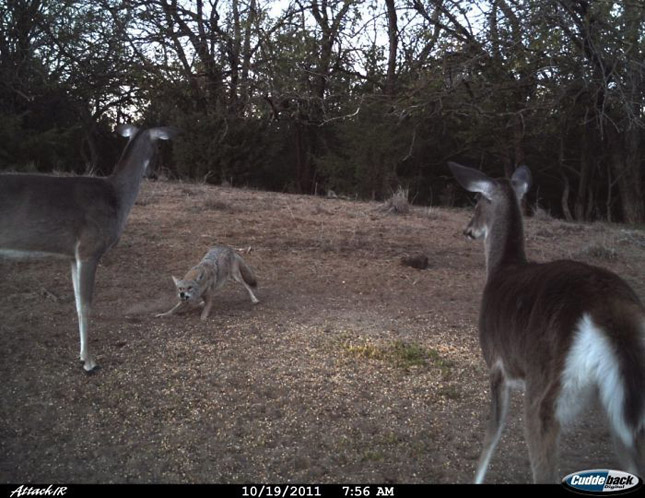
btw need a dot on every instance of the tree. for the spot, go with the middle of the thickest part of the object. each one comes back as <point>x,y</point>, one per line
<point>354,95</point>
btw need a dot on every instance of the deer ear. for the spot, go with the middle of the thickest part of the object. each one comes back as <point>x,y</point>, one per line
<point>521,181</point>
<point>164,132</point>
<point>473,180</point>
<point>127,130</point>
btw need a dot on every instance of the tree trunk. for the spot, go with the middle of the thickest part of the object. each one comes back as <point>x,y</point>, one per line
<point>626,162</point>
<point>393,35</point>
<point>580,207</point>
<point>565,199</point>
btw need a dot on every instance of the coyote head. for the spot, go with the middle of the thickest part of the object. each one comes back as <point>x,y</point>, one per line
<point>187,290</point>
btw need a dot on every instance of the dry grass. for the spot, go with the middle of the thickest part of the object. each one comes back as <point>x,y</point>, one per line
<point>598,250</point>
<point>433,213</point>
<point>353,367</point>
<point>541,214</point>
<point>633,237</point>
<point>213,204</point>
<point>398,203</point>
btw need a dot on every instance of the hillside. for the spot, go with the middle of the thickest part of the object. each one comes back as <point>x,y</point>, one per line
<point>353,367</point>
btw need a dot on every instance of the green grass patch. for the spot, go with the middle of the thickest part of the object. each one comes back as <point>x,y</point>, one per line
<point>373,456</point>
<point>409,354</point>
<point>370,351</point>
<point>401,354</point>
<point>443,364</point>
<point>450,392</point>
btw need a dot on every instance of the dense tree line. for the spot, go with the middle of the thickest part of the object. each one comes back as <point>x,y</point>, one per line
<point>355,96</point>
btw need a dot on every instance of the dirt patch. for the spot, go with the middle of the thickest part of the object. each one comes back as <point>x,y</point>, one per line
<point>353,367</point>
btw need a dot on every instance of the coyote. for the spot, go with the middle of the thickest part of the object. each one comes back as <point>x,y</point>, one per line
<point>220,264</point>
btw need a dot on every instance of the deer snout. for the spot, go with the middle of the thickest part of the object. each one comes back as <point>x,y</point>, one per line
<point>468,232</point>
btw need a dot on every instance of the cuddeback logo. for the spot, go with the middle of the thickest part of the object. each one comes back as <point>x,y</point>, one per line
<point>601,481</point>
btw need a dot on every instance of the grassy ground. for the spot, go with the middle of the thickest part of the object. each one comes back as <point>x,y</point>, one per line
<point>353,367</point>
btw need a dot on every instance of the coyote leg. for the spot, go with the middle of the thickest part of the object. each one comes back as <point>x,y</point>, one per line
<point>208,300</point>
<point>237,276</point>
<point>180,307</point>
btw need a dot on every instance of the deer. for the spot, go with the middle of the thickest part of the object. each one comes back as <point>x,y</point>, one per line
<point>567,332</point>
<point>78,218</point>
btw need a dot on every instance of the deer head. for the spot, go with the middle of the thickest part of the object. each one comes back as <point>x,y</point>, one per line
<point>497,218</point>
<point>491,195</point>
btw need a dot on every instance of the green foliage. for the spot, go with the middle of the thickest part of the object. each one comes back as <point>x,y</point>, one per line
<point>363,156</point>
<point>28,149</point>
<point>62,71</point>
<point>215,149</point>
<point>313,99</point>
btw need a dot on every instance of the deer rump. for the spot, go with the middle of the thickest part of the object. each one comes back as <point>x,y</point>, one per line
<point>567,327</point>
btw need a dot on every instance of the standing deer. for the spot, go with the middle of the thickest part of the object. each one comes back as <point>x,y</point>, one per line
<point>568,332</point>
<point>77,218</point>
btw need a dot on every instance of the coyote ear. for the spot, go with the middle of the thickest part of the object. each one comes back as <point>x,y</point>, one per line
<point>473,180</point>
<point>175,280</point>
<point>521,181</point>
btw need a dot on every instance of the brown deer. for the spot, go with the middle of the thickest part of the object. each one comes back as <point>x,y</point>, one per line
<point>568,332</point>
<point>76,218</point>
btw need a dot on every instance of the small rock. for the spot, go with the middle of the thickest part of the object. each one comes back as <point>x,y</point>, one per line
<point>419,261</point>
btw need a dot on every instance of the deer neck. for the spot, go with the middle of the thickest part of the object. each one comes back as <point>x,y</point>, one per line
<point>504,243</point>
<point>128,174</point>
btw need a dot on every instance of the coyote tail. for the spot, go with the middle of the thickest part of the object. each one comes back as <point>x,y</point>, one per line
<point>247,273</point>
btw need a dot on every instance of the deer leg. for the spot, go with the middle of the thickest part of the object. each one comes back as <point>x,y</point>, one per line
<point>542,433</point>
<point>76,286</point>
<point>630,455</point>
<point>83,273</point>
<point>639,445</point>
<point>498,409</point>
